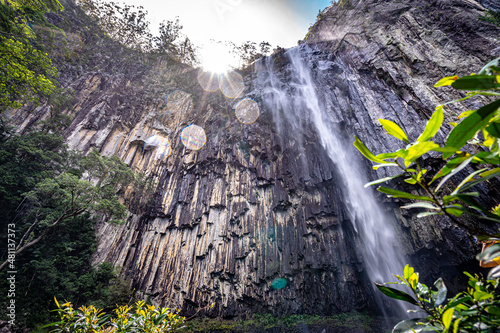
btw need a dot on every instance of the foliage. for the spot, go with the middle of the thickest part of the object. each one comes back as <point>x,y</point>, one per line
<point>142,318</point>
<point>475,310</point>
<point>249,52</point>
<point>172,42</point>
<point>479,128</point>
<point>26,72</point>
<point>491,16</point>
<point>475,140</point>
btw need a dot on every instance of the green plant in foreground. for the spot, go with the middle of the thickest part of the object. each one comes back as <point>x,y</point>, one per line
<point>479,129</point>
<point>475,140</point>
<point>475,310</point>
<point>141,318</point>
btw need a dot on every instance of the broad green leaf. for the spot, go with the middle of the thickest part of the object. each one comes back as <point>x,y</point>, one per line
<point>411,181</point>
<point>494,129</point>
<point>383,165</point>
<point>421,148</point>
<point>399,194</point>
<point>440,296</point>
<point>400,153</point>
<point>453,172</point>
<point>382,180</point>
<point>393,129</point>
<point>466,114</point>
<point>445,150</point>
<point>408,271</point>
<point>410,326</point>
<point>450,166</point>
<point>396,294</point>
<point>456,325</point>
<point>433,125</point>
<point>455,210</point>
<point>425,214</point>
<point>426,205</point>
<point>494,310</point>
<point>413,280</point>
<point>458,302</point>
<point>446,81</point>
<point>482,179</point>
<point>470,125</point>
<point>481,295</point>
<point>447,317</point>
<point>476,82</point>
<point>466,180</point>
<point>366,152</point>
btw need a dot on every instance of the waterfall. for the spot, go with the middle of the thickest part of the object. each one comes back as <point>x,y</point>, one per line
<point>296,102</point>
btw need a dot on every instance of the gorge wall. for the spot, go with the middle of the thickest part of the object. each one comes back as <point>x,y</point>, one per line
<point>256,220</point>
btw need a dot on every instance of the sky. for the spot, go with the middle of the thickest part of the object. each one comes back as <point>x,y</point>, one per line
<point>279,22</point>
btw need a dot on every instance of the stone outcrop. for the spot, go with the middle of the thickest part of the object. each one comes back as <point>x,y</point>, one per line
<point>255,220</point>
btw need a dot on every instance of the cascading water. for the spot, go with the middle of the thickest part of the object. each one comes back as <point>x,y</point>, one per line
<point>295,102</point>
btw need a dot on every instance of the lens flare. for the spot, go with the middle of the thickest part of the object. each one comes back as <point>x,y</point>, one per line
<point>151,143</point>
<point>217,57</point>
<point>247,111</point>
<point>193,137</point>
<point>278,284</point>
<point>231,84</point>
<point>208,81</point>
<point>164,149</point>
<point>179,102</point>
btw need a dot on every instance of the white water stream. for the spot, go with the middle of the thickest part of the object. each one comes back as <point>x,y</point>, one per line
<point>295,100</point>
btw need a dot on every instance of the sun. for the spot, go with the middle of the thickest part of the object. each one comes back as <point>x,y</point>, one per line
<point>217,58</point>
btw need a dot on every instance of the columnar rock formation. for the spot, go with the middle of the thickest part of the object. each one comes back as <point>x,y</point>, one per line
<point>255,220</point>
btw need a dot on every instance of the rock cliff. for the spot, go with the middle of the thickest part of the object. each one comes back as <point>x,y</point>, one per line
<point>256,220</point>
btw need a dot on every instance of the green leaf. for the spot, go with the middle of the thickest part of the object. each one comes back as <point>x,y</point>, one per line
<point>426,205</point>
<point>466,180</point>
<point>451,165</point>
<point>466,114</point>
<point>453,172</point>
<point>433,125</point>
<point>458,302</point>
<point>482,179</point>
<point>400,153</point>
<point>446,81</point>
<point>366,152</point>
<point>425,214</point>
<point>494,310</point>
<point>440,297</point>
<point>456,324</point>
<point>408,271</point>
<point>421,148</point>
<point>382,180</point>
<point>476,82</point>
<point>399,194</point>
<point>383,165</point>
<point>447,317</point>
<point>481,295</point>
<point>494,129</point>
<point>411,181</point>
<point>409,326</point>
<point>470,125</point>
<point>393,129</point>
<point>396,294</point>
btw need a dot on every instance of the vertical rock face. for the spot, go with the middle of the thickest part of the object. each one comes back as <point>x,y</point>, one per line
<point>256,220</point>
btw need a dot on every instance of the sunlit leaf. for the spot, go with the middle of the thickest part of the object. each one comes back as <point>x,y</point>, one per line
<point>466,114</point>
<point>481,295</point>
<point>396,294</point>
<point>466,180</point>
<point>470,125</point>
<point>393,129</point>
<point>421,148</point>
<point>482,179</point>
<point>411,181</point>
<point>446,81</point>
<point>408,271</point>
<point>433,125</point>
<point>447,317</point>
<point>383,165</point>
<point>425,214</point>
<point>453,172</point>
<point>426,205</point>
<point>399,194</point>
<point>382,180</point>
<point>366,152</point>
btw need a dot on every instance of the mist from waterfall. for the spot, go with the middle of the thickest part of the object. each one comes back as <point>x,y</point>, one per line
<point>294,99</point>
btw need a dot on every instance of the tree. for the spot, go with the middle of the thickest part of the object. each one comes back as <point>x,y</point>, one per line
<point>58,199</point>
<point>26,73</point>
<point>475,141</point>
<point>174,43</point>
